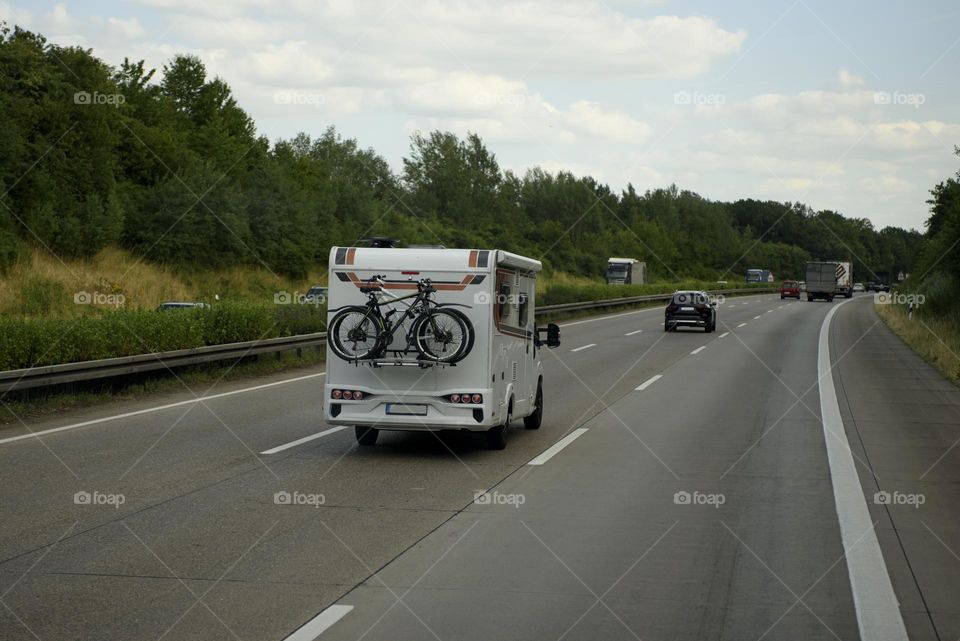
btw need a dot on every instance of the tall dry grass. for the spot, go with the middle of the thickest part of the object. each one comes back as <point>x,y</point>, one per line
<point>40,284</point>
<point>935,339</point>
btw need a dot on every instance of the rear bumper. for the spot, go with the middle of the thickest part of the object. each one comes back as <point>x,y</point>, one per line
<point>440,413</point>
<point>691,321</point>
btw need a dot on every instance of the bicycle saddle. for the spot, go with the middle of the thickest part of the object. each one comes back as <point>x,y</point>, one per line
<point>368,290</point>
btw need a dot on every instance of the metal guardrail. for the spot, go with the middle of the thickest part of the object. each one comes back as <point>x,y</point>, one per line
<point>22,379</point>
<point>631,300</point>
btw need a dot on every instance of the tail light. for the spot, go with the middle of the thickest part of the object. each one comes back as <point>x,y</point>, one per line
<point>466,397</point>
<point>347,395</point>
<point>672,307</point>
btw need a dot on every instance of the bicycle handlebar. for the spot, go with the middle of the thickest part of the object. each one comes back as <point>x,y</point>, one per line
<point>424,284</point>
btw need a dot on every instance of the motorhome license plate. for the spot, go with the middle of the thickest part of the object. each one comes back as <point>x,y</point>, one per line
<point>407,409</point>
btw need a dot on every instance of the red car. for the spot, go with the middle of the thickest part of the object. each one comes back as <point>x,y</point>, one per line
<point>790,288</point>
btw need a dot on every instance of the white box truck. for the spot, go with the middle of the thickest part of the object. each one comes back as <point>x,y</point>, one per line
<point>433,339</point>
<point>626,271</point>
<point>821,280</point>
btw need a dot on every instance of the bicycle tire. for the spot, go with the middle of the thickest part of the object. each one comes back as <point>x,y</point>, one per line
<point>337,339</point>
<point>422,332</point>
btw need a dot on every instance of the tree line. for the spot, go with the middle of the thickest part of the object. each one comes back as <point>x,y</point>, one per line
<point>173,169</point>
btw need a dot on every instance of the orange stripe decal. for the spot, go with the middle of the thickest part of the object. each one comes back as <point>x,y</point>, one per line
<point>350,255</point>
<point>473,257</point>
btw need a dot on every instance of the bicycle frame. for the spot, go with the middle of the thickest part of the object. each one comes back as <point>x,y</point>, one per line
<point>422,297</point>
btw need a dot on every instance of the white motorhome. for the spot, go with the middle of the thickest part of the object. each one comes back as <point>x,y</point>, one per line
<point>396,388</point>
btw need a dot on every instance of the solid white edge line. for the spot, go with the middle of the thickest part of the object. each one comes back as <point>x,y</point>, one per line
<point>318,624</point>
<point>582,347</point>
<point>300,441</point>
<point>876,604</point>
<point>647,383</point>
<point>699,349</point>
<point>554,449</point>
<point>723,334</point>
<point>636,331</point>
<point>158,408</point>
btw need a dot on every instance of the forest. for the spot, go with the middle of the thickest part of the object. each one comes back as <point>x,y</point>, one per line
<point>167,165</point>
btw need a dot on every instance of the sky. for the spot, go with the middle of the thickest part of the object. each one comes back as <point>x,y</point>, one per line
<point>848,106</point>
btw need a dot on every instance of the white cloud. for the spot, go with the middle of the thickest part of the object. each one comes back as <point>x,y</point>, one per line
<point>848,79</point>
<point>885,185</point>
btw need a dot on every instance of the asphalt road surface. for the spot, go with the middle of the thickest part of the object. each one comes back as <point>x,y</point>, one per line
<point>791,476</point>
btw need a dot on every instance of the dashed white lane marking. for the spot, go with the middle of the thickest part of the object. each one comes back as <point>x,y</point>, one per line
<point>318,624</point>
<point>158,408</point>
<point>699,349</point>
<point>582,347</point>
<point>723,334</point>
<point>636,331</point>
<point>305,439</point>
<point>755,317</point>
<point>769,311</point>
<point>650,381</point>
<point>878,611</point>
<point>741,324</point>
<point>554,449</point>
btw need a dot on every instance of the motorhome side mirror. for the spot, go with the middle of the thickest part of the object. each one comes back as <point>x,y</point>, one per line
<point>553,335</point>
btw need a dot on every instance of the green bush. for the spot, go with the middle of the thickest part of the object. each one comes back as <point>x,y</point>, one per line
<point>40,296</point>
<point>301,319</point>
<point>10,250</point>
<point>235,322</point>
<point>33,342</point>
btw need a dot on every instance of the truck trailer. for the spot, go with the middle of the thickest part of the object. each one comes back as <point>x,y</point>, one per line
<point>844,279</point>
<point>759,276</point>
<point>392,382</point>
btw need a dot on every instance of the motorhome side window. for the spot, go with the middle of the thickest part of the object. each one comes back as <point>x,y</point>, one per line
<point>524,302</point>
<point>504,299</point>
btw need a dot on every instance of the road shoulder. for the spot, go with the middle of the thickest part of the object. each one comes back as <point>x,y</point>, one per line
<point>902,420</point>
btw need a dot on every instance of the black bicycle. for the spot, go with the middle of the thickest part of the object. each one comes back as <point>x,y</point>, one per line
<point>437,332</point>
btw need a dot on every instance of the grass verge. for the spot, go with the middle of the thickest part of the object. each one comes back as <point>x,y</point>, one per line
<point>935,338</point>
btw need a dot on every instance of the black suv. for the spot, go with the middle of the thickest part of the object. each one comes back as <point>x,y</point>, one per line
<point>691,308</point>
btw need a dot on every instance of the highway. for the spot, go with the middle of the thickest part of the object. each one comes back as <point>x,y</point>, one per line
<point>791,476</point>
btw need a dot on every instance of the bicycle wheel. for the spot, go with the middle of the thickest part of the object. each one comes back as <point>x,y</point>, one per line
<point>443,335</point>
<point>354,333</point>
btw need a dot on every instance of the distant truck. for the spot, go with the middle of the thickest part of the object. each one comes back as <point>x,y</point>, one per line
<point>844,279</point>
<point>759,276</point>
<point>626,271</point>
<point>822,280</point>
